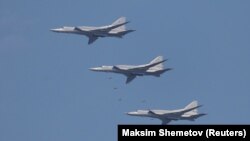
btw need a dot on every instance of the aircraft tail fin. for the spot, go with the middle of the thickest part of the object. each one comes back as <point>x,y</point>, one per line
<point>121,20</point>
<point>118,22</point>
<point>157,59</point>
<point>193,104</point>
<point>158,66</point>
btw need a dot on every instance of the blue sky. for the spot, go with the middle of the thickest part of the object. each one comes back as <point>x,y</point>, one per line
<point>48,93</point>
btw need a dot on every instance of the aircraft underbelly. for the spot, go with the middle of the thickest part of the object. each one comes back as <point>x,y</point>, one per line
<point>100,34</point>
<point>80,32</point>
<point>129,72</point>
<point>173,118</point>
<point>72,31</point>
<point>139,73</point>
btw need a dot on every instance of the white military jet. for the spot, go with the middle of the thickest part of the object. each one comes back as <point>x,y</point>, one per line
<point>154,68</point>
<point>116,29</point>
<point>190,113</point>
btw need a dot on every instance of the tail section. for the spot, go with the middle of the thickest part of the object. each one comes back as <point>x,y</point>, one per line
<point>198,115</point>
<point>191,111</point>
<point>157,60</point>
<point>119,24</point>
<point>191,106</point>
<point>121,20</point>
<point>118,28</point>
<point>160,71</point>
<point>120,33</point>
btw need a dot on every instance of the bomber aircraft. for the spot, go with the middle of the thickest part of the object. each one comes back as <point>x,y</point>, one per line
<point>116,29</point>
<point>154,68</point>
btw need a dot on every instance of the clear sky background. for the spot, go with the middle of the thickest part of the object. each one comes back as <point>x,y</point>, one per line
<point>47,92</point>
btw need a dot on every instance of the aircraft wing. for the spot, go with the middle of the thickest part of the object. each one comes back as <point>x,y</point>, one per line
<point>147,66</point>
<point>165,121</point>
<point>78,28</point>
<point>92,39</point>
<point>130,78</point>
<point>180,112</point>
<point>122,67</point>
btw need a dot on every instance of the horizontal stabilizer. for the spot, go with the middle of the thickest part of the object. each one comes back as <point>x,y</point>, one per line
<point>161,71</point>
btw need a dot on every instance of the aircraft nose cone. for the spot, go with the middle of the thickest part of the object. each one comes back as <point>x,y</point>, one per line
<point>94,69</point>
<point>131,113</point>
<point>55,29</point>
<point>128,113</point>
